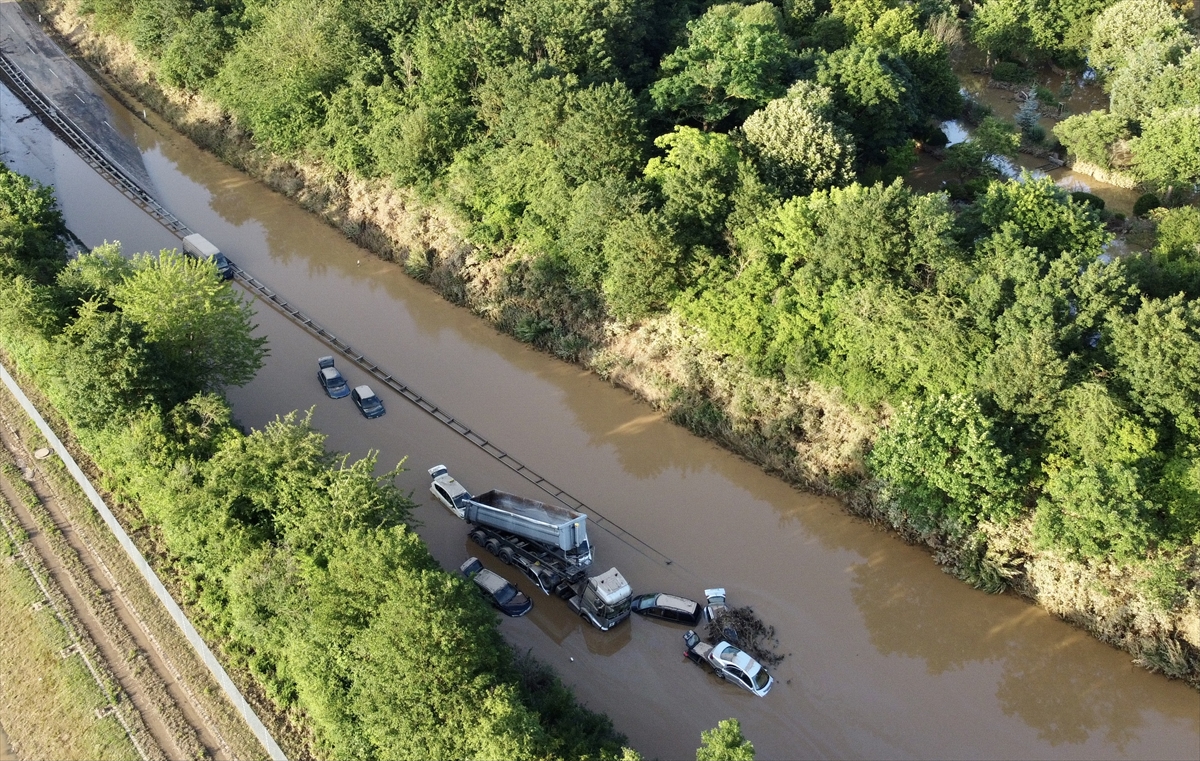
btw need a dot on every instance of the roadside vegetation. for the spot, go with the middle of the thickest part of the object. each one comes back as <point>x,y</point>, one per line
<point>703,201</point>
<point>297,562</point>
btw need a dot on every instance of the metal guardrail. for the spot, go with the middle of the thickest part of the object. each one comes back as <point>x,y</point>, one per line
<point>111,171</point>
<point>87,149</point>
<point>387,379</point>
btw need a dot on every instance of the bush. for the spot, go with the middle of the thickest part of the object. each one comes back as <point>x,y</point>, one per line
<point>1095,201</point>
<point>1007,71</point>
<point>1145,204</point>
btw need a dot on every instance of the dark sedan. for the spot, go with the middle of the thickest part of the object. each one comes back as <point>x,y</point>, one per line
<point>368,403</point>
<point>331,379</point>
<point>678,610</point>
<point>499,592</point>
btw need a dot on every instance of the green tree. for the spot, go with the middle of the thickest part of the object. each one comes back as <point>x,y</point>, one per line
<point>1122,28</point>
<point>725,742</point>
<point>1156,75</point>
<point>596,39</point>
<point>1157,353</point>
<point>105,368</point>
<point>697,176</point>
<point>873,90</point>
<point>980,154</point>
<point>941,462</point>
<point>735,60</point>
<point>1094,503</point>
<point>278,78</point>
<point>200,327</point>
<point>642,274</point>
<point>1167,153</point>
<point>31,229</point>
<point>1001,27</point>
<point>1173,265</point>
<point>799,147</point>
<point>1091,136</point>
<point>196,52</point>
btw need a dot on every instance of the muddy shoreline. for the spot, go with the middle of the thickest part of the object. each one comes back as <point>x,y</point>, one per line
<point>806,435</point>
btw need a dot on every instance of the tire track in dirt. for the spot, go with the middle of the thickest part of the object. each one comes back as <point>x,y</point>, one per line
<point>175,722</point>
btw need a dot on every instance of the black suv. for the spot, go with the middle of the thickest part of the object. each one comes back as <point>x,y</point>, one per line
<point>500,593</point>
<point>368,403</point>
<point>331,380</point>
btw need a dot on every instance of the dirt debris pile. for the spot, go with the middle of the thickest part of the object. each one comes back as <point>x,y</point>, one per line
<point>743,627</point>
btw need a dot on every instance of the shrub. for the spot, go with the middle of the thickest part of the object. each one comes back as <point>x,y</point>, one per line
<point>1095,201</point>
<point>1007,71</point>
<point>1145,204</point>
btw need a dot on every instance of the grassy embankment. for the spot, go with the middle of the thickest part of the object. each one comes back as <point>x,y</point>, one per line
<point>190,672</point>
<point>50,705</point>
<point>804,432</point>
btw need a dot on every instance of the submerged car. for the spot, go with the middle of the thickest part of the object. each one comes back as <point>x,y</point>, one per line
<point>331,379</point>
<point>729,663</point>
<point>500,592</point>
<point>367,401</point>
<point>672,608</point>
<point>716,603</point>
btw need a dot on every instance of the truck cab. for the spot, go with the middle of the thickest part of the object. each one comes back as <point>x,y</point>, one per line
<point>604,600</point>
<point>448,491</point>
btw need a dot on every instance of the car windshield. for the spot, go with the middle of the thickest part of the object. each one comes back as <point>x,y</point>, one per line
<point>371,401</point>
<point>761,679</point>
<point>729,652</point>
<point>506,594</point>
<point>643,603</point>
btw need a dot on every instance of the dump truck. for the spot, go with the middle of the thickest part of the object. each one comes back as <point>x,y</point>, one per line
<point>547,543</point>
<point>201,248</point>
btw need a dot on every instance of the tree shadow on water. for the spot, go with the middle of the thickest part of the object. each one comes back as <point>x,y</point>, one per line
<point>1055,678</point>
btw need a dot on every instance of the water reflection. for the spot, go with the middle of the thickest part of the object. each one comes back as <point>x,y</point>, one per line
<point>1067,698</point>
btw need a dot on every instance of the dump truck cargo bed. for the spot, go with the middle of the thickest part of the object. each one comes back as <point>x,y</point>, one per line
<point>552,525</point>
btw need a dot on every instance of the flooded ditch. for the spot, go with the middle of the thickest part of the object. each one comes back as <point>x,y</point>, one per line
<point>885,655</point>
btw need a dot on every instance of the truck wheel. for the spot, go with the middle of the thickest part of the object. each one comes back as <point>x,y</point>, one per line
<point>478,537</point>
<point>493,546</point>
<point>506,555</point>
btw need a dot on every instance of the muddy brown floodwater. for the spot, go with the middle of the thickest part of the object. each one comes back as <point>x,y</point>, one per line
<point>886,656</point>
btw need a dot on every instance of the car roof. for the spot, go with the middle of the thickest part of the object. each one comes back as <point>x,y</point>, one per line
<point>330,373</point>
<point>676,603</point>
<point>364,391</point>
<point>453,488</point>
<point>737,658</point>
<point>492,582</point>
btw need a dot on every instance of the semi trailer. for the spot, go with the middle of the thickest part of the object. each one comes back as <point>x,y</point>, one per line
<point>547,543</point>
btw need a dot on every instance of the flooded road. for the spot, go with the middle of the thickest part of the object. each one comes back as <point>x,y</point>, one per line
<point>887,657</point>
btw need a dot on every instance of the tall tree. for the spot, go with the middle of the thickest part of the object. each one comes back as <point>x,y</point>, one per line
<point>199,325</point>
<point>725,742</point>
<point>736,59</point>
<point>799,147</point>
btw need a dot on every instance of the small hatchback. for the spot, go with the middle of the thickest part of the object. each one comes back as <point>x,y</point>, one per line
<point>499,592</point>
<point>331,379</point>
<point>368,403</point>
<point>679,610</point>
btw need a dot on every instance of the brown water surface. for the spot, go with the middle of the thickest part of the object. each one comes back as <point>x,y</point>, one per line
<point>887,657</point>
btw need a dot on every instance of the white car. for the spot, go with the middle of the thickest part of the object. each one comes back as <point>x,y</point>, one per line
<point>729,663</point>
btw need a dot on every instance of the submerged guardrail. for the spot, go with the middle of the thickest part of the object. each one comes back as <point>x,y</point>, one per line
<point>111,171</point>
